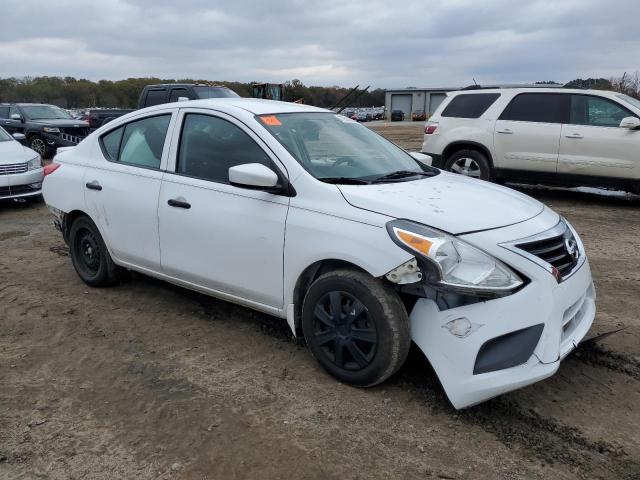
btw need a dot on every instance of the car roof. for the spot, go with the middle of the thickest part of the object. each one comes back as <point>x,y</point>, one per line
<point>251,105</point>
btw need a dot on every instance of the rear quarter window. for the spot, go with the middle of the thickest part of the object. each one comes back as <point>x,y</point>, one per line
<point>469,105</point>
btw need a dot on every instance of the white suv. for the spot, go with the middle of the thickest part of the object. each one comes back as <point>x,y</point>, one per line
<point>556,136</point>
<point>307,215</point>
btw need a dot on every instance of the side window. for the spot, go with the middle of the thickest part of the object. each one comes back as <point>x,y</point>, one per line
<point>471,105</point>
<point>138,143</point>
<point>14,110</point>
<point>177,93</point>
<point>4,112</point>
<point>209,146</point>
<point>535,107</point>
<point>155,97</point>
<point>596,111</point>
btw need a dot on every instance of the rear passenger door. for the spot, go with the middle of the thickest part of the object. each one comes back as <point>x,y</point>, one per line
<point>122,188</point>
<point>592,142</point>
<point>527,133</point>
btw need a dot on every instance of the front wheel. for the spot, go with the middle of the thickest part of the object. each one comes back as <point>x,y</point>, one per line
<point>38,145</point>
<point>90,256</point>
<point>469,163</point>
<point>356,327</point>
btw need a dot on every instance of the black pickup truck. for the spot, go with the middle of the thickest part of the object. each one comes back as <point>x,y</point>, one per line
<point>46,127</point>
<point>164,93</point>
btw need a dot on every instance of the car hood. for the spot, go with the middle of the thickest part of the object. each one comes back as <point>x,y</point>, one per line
<point>14,152</point>
<point>60,122</point>
<point>449,202</point>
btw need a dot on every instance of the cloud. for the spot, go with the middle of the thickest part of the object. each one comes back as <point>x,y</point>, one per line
<point>322,42</point>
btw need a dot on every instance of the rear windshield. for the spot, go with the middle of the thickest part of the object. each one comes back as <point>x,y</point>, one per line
<point>214,92</point>
<point>470,105</point>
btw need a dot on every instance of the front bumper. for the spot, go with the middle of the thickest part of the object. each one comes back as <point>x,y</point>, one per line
<point>21,185</point>
<point>54,140</point>
<point>565,310</point>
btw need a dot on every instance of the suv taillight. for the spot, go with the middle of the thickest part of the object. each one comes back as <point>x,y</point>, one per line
<point>49,169</point>
<point>430,128</point>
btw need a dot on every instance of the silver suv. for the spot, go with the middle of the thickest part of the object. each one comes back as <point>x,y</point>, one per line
<point>555,136</point>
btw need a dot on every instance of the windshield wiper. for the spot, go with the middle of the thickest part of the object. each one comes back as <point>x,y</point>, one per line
<point>402,174</point>
<point>344,180</point>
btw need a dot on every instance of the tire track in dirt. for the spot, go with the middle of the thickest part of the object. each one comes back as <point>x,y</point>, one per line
<point>594,354</point>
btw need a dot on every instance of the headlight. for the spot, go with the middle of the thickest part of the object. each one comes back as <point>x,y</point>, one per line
<point>34,163</point>
<point>455,264</point>
<point>51,129</point>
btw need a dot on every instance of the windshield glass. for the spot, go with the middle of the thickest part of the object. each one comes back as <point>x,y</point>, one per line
<point>332,146</point>
<point>215,92</point>
<point>42,112</point>
<point>633,101</point>
<point>4,136</point>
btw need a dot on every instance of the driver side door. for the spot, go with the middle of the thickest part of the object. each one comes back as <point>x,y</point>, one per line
<point>213,234</point>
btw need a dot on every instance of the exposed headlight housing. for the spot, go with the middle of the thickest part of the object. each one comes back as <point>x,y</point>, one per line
<point>35,163</point>
<point>453,264</point>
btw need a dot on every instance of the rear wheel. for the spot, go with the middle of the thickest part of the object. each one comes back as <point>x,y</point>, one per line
<point>469,163</point>
<point>90,256</point>
<point>356,327</point>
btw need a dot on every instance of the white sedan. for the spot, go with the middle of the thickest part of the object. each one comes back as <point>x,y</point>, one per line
<point>307,215</point>
<point>21,171</point>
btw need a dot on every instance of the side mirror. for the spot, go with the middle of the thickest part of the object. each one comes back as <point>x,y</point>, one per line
<point>632,123</point>
<point>253,175</point>
<point>15,116</point>
<point>183,99</point>
<point>422,158</point>
<point>19,136</point>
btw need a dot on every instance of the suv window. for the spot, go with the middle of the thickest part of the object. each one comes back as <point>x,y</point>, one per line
<point>535,107</point>
<point>177,93</point>
<point>4,112</point>
<point>14,110</point>
<point>138,143</point>
<point>469,105</point>
<point>596,111</point>
<point>209,146</point>
<point>156,97</point>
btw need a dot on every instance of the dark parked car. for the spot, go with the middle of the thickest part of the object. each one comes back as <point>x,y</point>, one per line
<point>164,93</point>
<point>46,127</point>
<point>419,116</point>
<point>397,116</point>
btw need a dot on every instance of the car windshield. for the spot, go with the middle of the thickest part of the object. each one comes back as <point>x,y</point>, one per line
<point>633,101</point>
<point>215,92</point>
<point>4,136</point>
<point>45,112</point>
<point>335,148</point>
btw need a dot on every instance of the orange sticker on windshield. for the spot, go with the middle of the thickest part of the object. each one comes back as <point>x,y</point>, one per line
<point>271,120</point>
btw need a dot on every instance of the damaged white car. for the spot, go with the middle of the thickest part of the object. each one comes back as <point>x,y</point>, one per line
<point>307,215</point>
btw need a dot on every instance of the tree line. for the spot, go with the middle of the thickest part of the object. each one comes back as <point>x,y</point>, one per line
<point>69,92</point>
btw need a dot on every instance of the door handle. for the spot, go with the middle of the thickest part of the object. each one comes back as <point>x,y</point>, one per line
<point>174,202</point>
<point>506,131</point>
<point>94,186</point>
<point>574,135</point>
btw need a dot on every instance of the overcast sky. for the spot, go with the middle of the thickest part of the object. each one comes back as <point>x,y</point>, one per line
<point>326,42</point>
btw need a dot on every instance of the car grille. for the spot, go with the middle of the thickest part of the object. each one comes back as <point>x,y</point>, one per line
<point>13,168</point>
<point>74,134</point>
<point>560,251</point>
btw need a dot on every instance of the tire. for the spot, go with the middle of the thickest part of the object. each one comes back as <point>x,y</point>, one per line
<point>470,163</point>
<point>373,343</point>
<point>37,144</point>
<point>90,256</point>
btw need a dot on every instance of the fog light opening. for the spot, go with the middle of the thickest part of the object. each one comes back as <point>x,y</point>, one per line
<point>461,327</point>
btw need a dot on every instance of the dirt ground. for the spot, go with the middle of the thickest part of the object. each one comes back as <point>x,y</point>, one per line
<point>150,381</point>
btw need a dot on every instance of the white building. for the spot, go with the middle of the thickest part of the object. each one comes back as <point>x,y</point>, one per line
<point>414,99</point>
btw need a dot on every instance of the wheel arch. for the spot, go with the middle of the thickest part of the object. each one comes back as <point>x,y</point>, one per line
<point>307,277</point>
<point>466,145</point>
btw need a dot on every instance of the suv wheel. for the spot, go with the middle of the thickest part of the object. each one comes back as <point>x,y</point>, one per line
<point>90,256</point>
<point>356,327</point>
<point>38,145</point>
<point>470,163</point>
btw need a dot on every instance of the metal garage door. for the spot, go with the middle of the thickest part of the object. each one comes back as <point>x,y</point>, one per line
<point>402,102</point>
<point>435,101</point>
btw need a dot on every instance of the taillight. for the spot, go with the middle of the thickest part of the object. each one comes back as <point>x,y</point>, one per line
<point>49,169</point>
<point>430,128</point>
